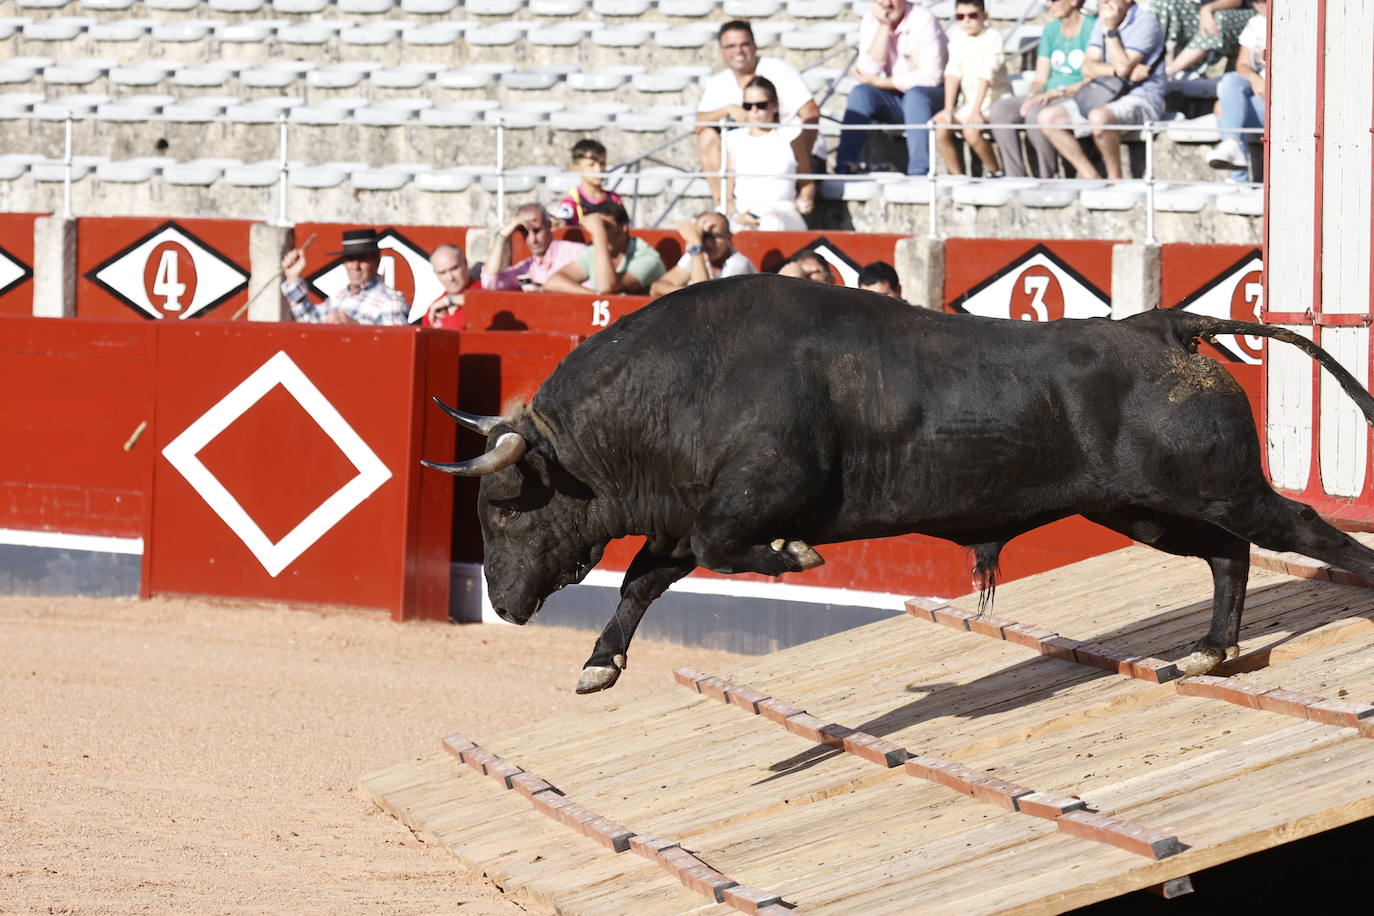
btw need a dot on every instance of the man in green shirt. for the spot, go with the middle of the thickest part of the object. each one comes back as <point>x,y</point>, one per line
<point>614,262</point>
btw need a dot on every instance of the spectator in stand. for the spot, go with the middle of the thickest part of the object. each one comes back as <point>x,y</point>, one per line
<point>881,277</point>
<point>1240,99</point>
<point>708,256</point>
<point>1058,72</point>
<point>722,98</point>
<point>771,198</point>
<point>588,160</point>
<point>977,69</point>
<point>1126,43</point>
<point>548,255</point>
<point>808,266</point>
<point>451,270</point>
<point>615,262</point>
<point>1200,34</point>
<point>365,299</point>
<point>900,69</point>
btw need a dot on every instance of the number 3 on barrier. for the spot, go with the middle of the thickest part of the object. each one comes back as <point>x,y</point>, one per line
<point>601,312</point>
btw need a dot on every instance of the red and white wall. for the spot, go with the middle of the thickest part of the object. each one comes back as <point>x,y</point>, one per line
<point>1319,223</point>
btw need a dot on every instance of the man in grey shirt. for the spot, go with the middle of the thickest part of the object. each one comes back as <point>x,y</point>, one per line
<point>1128,43</point>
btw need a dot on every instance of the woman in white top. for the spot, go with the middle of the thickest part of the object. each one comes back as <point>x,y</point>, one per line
<point>765,197</point>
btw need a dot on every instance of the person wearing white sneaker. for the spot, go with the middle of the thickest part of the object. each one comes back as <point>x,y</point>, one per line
<point>1240,99</point>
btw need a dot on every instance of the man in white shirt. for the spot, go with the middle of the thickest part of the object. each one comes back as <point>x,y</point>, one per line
<point>723,95</point>
<point>710,254</point>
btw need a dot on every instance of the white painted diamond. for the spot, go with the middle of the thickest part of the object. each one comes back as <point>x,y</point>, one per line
<point>11,271</point>
<point>216,278</point>
<point>1017,282</point>
<point>279,370</point>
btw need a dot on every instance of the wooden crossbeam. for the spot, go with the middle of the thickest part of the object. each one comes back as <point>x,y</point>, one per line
<point>1070,815</point>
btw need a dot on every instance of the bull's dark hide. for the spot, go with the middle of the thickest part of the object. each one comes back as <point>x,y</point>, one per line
<point>740,422</point>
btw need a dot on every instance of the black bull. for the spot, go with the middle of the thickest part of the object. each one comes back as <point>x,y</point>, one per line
<point>738,422</point>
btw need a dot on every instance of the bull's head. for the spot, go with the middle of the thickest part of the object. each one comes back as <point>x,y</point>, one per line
<point>535,516</point>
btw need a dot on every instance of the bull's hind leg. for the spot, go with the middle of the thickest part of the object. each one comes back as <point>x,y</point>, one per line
<point>1277,523</point>
<point>1228,557</point>
<point>649,576</point>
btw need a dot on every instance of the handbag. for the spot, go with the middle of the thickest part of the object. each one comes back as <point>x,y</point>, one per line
<point>1098,92</point>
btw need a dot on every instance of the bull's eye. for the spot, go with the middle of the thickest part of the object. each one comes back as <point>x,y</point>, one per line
<point>507,513</point>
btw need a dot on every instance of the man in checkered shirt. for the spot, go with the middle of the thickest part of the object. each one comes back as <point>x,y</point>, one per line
<point>365,300</point>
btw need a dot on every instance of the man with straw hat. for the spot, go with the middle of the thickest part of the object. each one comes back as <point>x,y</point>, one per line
<point>365,300</point>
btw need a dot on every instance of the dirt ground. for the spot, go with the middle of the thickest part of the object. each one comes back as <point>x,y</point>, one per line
<point>201,757</point>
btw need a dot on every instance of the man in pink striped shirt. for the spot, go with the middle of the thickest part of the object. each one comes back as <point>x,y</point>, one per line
<point>901,67</point>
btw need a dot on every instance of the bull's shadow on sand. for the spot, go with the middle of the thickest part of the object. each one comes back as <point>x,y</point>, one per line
<point>1024,684</point>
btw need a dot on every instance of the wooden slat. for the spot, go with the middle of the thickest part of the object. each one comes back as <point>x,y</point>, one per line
<point>835,834</point>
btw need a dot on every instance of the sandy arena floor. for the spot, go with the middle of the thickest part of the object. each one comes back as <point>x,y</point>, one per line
<point>197,757</point>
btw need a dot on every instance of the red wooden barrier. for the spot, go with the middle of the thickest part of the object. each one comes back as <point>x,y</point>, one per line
<point>16,263</point>
<point>289,465</point>
<point>157,268</point>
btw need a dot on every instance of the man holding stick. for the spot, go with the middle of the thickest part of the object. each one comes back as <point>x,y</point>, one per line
<point>364,300</point>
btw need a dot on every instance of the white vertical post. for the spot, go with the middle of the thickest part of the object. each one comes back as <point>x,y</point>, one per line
<point>1150,182</point>
<point>931,178</point>
<point>500,171</point>
<point>67,169</point>
<point>281,149</point>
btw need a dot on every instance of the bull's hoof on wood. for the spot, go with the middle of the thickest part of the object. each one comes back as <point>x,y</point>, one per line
<point>597,677</point>
<point>801,552</point>
<point>1203,660</point>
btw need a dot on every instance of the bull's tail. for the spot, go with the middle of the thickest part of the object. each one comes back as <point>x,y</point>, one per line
<point>1203,327</point>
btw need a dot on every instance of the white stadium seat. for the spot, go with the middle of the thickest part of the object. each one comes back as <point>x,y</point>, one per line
<point>172,6</point>
<point>603,79</point>
<point>253,175</point>
<point>442,33</point>
<point>382,116</point>
<point>580,120</point>
<point>1049,197</point>
<point>137,75</point>
<point>428,7</point>
<point>368,35</point>
<point>687,9</point>
<point>450,116</point>
<point>299,6</point>
<point>1184,198</point>
<point>195,111</point>
<point>380,179</point>
<point>1242,202</point>
<point>649,182</point>
<point>817,9</point>
<point>620,7</point>
<point>59,28</point>
<point>335,77</point>
<point>56,169</point>
<point>497,35</point>
<point>120,30</point>
<point>695,188</point>
<point>75,106</point>
<point>41,4</point>
<point>246,32</point>
<point>625,36</point>
<point>1195,130</point>
<point>402,77</point>
<point>187,31</point>
<point>320,114</point>
<point>536,78</point>
<point>444,180</point>
<point>815,38</point>
<point>518,180</point>
<point>751,9</point>
<point>555,36</point>
<point>316,176</point>
<point>859,189</point>
<point>557,7</point>
<point>692,36</point>
<point>200,76</point>
<point>236,6</point>
<point>17,73</point>
<point>912,189</point>
<point>268,77</point>
<point>492,7</point>
<point>128,172</point>
<point>665,80</point>
<point>365,7</point>
<point>306,33</point>
<point>73,74</point>
<point>1120,196</point>
<point>466,78</point>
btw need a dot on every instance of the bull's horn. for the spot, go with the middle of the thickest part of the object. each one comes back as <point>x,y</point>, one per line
<point>509,448</point>
<point>483,425</point>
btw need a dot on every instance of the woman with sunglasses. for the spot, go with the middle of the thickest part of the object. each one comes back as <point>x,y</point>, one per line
<point>767,196</point>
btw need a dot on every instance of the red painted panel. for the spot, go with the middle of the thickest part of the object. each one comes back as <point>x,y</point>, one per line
<point>1028,279</point>
<point>155,268</point>
<point>405,255</point>
<point>270,452</point>
<point>16,263</point>
<point>499,371</point>
<point>917,565</point>
<point>78,391</point>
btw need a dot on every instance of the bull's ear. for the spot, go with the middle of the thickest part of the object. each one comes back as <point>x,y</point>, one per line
<point>543,465</point>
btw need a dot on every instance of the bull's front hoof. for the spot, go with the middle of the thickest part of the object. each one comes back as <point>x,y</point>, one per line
<point>802,553</point>
<point>1199,662</point>
<point>597,677</point>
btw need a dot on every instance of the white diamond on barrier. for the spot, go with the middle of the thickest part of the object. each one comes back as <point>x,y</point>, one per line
<point>182,453</point>
<point>171,272</point>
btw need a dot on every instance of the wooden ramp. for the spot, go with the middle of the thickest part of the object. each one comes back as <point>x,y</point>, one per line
<point>728,804</point>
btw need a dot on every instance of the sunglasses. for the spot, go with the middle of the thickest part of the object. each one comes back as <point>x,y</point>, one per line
<point>962,16</point>
<point>755,106</point>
